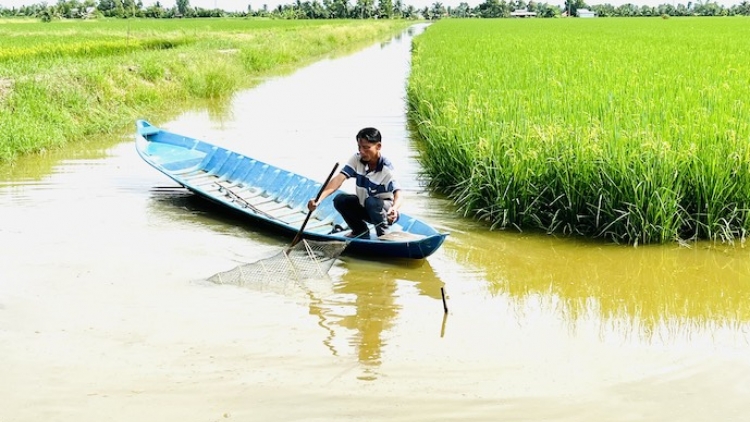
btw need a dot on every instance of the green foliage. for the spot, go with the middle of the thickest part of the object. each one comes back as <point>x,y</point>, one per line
<point>644,146</point>
<point>210,78</point>
<point>183,6</point>
<point>151,69</point>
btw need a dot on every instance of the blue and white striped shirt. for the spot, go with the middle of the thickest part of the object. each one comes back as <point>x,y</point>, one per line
<point>380,181</point>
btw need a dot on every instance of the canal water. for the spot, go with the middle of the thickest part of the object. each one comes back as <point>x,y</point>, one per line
<point>106,313</point>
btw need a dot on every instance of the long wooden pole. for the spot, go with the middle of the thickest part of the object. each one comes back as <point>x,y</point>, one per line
<point>298,237</point>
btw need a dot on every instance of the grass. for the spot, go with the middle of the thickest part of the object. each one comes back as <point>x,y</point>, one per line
<point>63,81</point>
<point>632,130</point>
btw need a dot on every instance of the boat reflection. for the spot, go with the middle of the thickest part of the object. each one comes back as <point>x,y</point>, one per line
<point>174,203</point>
<point>364,305</point>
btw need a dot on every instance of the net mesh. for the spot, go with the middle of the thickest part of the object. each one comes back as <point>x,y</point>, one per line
<point>308,259</point>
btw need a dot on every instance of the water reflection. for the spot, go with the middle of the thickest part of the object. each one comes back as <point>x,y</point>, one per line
<point>177,205</point>
<point>654,292</point>
<point>364,305</point>
<point>38,166</point>
<point>357,305</point>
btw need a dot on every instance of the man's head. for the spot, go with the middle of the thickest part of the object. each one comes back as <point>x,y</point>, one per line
<point>369,134</point>
<point>368,143</point>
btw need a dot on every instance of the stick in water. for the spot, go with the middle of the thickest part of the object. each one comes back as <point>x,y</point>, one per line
<point>445,305</point>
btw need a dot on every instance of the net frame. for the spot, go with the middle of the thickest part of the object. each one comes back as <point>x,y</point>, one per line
<point>307,259</point>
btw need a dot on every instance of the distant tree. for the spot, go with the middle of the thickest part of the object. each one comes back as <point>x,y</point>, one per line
<point>128,8</point>
<point>708,9</point>
<point>518,5</point>
<point>183,7</point>
<point>47,14</point>
<point>327,8</point>
<point>65,9</point>
<point>572,6</point>
<point>409,12</point>
<point>339,9</point>
<point>627,9</point>
<point>462,10</point>
<point>494,9</point>
<point>546,10</point>
<point>312,10</point>
<point>364,9</point>
<point>385,9</point>
<point>604,10</point>
<point>155,11</point>
<point>436,11</point>
<point>106,7</point>
<point>398,7</point>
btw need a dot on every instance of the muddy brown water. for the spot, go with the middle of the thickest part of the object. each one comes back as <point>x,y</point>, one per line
<point>106,314</point>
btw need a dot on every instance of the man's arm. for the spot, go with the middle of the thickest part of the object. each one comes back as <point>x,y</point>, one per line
<point>332,186</point>
<point>393,211</point>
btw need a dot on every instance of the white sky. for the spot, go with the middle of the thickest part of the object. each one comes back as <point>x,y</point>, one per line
<point>237,5</point>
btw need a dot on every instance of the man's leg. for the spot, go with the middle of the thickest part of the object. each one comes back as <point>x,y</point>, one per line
<point>377,213</point>
<point>348,206</point>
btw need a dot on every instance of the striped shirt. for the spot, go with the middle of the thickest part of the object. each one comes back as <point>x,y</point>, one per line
<point>380,181</point>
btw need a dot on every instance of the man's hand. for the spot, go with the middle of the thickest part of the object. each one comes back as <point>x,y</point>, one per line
<point>392,215</point>
<point>311,205</point>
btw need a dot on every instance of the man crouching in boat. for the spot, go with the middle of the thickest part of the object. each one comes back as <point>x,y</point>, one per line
<point>378,196</point>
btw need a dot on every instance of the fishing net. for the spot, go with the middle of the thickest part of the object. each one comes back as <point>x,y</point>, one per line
<point>307,259</point>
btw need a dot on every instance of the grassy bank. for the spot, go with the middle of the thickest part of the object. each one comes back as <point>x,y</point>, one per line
<point>633,130</point>
<point>67,81</point>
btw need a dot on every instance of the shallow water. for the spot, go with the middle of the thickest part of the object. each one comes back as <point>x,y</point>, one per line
<point>106,314</point>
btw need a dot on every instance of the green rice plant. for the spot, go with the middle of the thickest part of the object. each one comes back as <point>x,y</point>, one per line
<point>151,69</point>
<point>633,130</point>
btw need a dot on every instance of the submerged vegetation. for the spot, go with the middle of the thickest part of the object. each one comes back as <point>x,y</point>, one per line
<point>633,130</point>
<point>65,81</point>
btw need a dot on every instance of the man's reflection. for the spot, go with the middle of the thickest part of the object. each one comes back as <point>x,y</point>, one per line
<point>362,309</point>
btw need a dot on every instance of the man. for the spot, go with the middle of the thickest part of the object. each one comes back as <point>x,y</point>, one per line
<point>378,196</point>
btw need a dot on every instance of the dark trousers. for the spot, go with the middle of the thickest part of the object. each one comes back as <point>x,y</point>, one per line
<point>356,216</point>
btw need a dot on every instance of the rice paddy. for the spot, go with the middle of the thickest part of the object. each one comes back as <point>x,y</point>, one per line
<point>632,130</point>
<point>68,81</point>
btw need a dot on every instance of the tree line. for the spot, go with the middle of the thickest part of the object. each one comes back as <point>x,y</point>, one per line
<point>363,9</point>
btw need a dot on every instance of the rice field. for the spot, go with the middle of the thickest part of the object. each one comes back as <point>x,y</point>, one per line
<point>632,130</point>
<point>29,40</point>
<point>68,81</point>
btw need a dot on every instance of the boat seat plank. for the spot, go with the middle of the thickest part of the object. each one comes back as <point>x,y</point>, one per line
<point>297,219</point>
<point>256,198</point>
<point>204,183</point>
<point>265,200</point>
<point>230,197</point>
<point>195,174</point>
<point>190,174</point>
<point>229,185</point>
<point>274,209</point>
<point>200,178</point>
<point>238,189</point>
<point>291,211</point>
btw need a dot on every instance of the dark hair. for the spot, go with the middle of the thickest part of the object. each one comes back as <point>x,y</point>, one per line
<point>370,134</point>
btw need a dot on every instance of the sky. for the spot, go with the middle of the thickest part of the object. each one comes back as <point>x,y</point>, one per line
<point>239,5</point>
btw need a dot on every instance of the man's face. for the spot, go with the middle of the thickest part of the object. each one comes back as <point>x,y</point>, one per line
<point>368,150</point>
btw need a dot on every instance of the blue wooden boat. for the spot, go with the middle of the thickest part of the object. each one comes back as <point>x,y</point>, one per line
<point>272,195</point>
